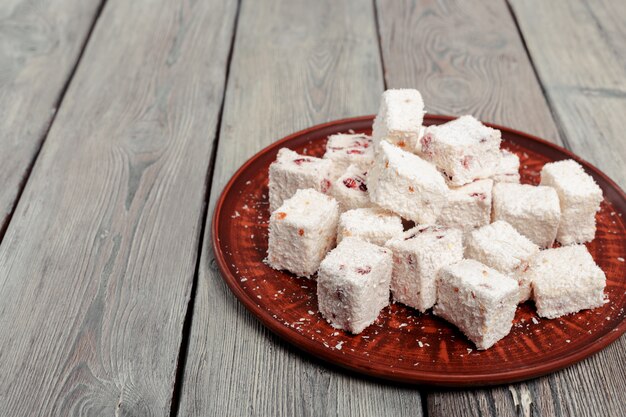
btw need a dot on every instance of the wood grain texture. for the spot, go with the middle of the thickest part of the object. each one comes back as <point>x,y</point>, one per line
<point>465,57</point>
<point>593,387</point>
<point>435,44</point>
<point>97,264</point>
<point>40,42</point>
<point>295,64</point>
<point>579,51</point>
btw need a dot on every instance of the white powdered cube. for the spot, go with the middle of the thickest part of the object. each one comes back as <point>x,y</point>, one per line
<point>353,284</point>
<point>533,211</point>
<point>503,248</point>
<point>565,280</point>
<point>463,149</point>
<point>508,168</point>
<point>406,184</point>
<point>580,199</point>
<point>291,172</point>
<point>399,119</point>
<point>418,255</point>
<point>302,231</point>
<point>372,224</point>
<point>477,299</point>
<point>349,149</point>
<point>468,207</point>
<point>350,189</point>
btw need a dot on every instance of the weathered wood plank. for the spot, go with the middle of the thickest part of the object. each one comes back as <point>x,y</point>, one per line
<point>295,64</point>
<point>593,387</point>
<point>40,42</point>
<point>579,50</point>
<point>459,54</point>
<point>97,264</point>
<point>464,57</point>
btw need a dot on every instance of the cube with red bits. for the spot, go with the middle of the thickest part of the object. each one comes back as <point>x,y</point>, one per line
<point>371,224</point>
<point>508,168</point>
<point>353,284</point>
<point>463,150</point>
<point>350,189</point>
<point>292,171</point>
<point>349,149</point>
<point>479,300</point>
<point>406,184</point>
<point>418,254</point>
<point>302,231</point>
<point>399,119</point>
<point>468,206</point>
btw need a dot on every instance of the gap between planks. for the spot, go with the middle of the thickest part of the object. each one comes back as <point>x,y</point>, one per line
<point>555,117</point>
<point>380,52</point>
<point>4,223</point>
<point>202,220</point>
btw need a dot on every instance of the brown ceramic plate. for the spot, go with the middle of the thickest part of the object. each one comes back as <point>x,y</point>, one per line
<point>404,345</point>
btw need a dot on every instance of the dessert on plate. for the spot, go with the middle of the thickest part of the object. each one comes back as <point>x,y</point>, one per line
<point>435,219</point>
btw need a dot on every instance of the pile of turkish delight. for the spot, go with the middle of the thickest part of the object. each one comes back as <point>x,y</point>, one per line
<point>481,243</point>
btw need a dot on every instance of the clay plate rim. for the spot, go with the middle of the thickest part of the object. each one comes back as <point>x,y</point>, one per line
<point>617,197</point>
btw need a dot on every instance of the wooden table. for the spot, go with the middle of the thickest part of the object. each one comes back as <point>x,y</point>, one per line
<point>122,121</point>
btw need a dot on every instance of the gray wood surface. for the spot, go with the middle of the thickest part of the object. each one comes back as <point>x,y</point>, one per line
<point>97,264</point>
<point>294,64</point>
<point>464,57</point>
<point>98,261</point>
<point>40,41</point>
<point>477,64</point>
<point>579,50</point>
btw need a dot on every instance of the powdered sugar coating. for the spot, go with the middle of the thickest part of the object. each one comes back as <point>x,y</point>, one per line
<point>372,224</point>
<point>579,197</point>
<point>350,189</point>
<point>399,119</point>
<point>533,211</point>
<point>477,299</point>
<point>291,172</point>
<point>508,168</point>
<point>301,231</point>
<point>349,149</point>
<point>353,284</point>
<point>565,280</point>
<point>418,254</point>
<point>463,149</point>
<point>468,206</point>
<point>503,248</point>
<point>406,184</point>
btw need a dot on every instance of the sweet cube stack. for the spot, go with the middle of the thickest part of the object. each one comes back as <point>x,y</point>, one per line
<point>433,218</point>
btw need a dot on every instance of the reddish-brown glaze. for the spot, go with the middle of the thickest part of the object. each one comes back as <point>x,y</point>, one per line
<point>404,345</point>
